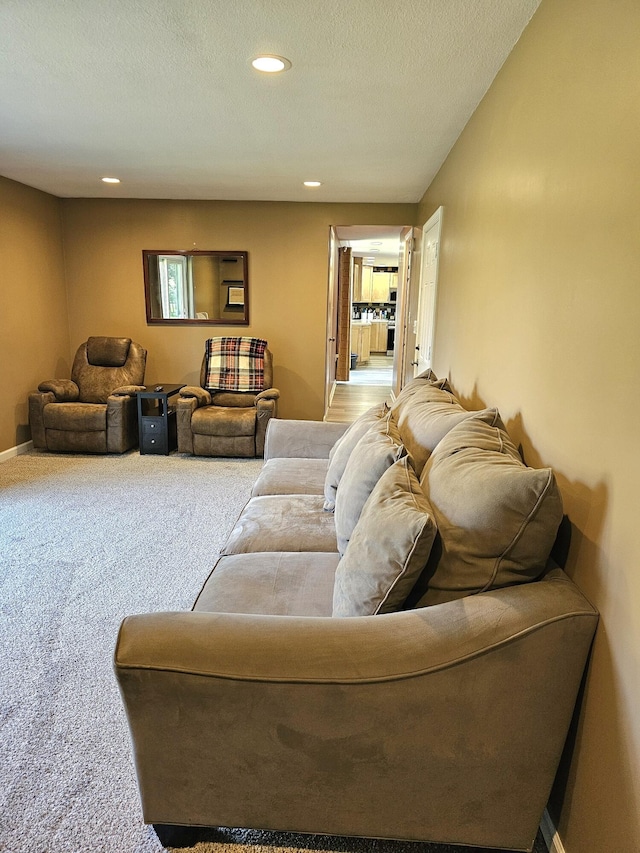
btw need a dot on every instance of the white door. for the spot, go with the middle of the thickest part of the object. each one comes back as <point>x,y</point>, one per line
<point>331,351</point>
<point>426,320</point>
<point>406,305</point>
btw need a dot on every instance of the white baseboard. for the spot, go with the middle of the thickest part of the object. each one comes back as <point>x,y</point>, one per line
<point>16,451</point>
<point>550,834</point>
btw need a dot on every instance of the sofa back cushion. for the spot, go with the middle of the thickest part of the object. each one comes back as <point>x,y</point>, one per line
<point>424,416</point>
<point>388,548</point>
<point>426,378</point>
<point>378,448</point>
<point>497,519</point>
<point>341,450</point>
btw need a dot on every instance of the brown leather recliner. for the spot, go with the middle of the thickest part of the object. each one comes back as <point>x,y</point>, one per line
<point>226,423</point>
<point>96,410</point>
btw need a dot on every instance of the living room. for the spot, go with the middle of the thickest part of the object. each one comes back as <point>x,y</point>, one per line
<point>538,310</point>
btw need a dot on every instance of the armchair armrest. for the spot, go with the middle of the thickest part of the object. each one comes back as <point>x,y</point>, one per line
<point>200,395</point>
<point>37,401</point>
<point>301,439</point>
<point>122,419</point>
<point>127,390</point>
<point>64,390</point>
<point>268,394</point>
<point>191,398</point>
<point>359,709</point>
<point>266,410</point>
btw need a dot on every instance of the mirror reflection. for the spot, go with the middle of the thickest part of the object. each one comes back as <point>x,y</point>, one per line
<point>196,287</point>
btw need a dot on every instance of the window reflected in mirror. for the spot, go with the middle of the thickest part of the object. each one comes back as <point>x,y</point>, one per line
<point>196,287</point>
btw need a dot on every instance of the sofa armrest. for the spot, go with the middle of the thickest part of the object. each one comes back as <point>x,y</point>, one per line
<point>64,390</point>
<point>466,702</point>
<point>301,439</point>
<point>311,649</point>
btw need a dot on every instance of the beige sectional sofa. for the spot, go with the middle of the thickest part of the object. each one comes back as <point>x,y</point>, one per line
<point>385,647</point>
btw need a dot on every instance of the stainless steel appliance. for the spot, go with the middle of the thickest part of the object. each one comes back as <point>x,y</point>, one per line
<point>391,336</point>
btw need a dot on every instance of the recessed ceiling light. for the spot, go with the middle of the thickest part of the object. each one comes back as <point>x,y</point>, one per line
<point>270,63</point>
<point>312,184</point>
<point>111,180</point>
<point>376,242</point>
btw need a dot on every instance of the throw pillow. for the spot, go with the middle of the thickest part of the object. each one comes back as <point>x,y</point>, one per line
<point>426,420</point>
<point>341,450</point>
<point>389,546</point>
<point>378,448</point>
<point>421,380</point>
<point>497,519</point>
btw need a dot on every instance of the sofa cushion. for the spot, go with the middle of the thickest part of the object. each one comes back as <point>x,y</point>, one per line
<point>497,519</point>
<point>271,584</point>
<point>378,448</point>
<point>426,391</point>
<point>389,546</point>
<point>282,523</point>
<point>419,382</point>
<point>341,450</point>
<point>291,476</point>
<point>424,417</point>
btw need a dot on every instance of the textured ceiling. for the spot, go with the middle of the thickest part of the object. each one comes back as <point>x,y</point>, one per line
<point>161,94</point>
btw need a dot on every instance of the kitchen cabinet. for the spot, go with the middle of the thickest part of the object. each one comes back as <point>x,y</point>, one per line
<point>361,341</point>
<point>366,284</point>
<point>379,336</point>
<point>383,284</point>
<point>380,287</point>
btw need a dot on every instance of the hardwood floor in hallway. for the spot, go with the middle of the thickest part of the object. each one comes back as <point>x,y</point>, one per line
<point>368,384</point>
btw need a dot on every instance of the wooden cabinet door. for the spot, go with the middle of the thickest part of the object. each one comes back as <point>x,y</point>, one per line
<point>374,337</point>
<point>355,339</point>
<point>379,337</point>
<point>380,288</point>
<point>366,343</point>
<point>366,281</point>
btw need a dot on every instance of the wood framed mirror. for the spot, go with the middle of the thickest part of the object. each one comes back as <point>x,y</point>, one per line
<point>198,287</point>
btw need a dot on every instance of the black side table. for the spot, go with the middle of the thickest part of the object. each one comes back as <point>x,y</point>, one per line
<point>157,429</point>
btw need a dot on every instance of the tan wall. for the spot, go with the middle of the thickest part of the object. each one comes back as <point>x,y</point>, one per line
<point>34,331</point>
<point>539,314</point>
<point>288,247</point>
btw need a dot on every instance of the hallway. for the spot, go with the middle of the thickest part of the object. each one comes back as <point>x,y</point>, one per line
<point>368,384</point>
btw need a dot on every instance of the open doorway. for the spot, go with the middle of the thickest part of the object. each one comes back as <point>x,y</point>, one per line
<point>372,300</point>
<point>367,317</point>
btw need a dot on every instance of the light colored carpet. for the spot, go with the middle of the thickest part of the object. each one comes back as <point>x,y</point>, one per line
<point>85,541</point>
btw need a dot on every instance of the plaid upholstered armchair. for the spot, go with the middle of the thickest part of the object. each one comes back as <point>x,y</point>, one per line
<point>227,415</point>
<point>94,411</point>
